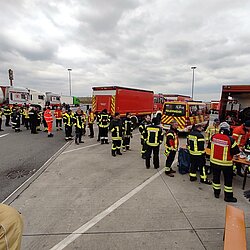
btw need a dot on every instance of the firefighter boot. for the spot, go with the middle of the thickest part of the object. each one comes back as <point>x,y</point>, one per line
<point>102,141</point>
<point>106,141</point>
<point>217,194</point>
<point>228,197</point>
<point>206,181</point>
<point>193,178</point>
<point>76,141</point>
<point>168,173</point>
<point>118,151</point>
<point>113,153</point>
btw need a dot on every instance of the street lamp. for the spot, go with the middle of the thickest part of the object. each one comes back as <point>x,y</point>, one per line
<point>193,68</point>
<point>69,81</point>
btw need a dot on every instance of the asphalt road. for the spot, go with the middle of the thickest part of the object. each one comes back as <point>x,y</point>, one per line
<point>21,154</point>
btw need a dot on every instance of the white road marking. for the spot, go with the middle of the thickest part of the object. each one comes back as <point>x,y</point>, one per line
<point>77,233</point>
<point>89,146</point>
<point>3,135</point>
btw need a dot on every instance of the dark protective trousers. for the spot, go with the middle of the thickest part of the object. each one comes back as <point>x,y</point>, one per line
<point>0,123</point>
<point>156,161</point>
<point>78,135</point>
<point>33,126</point>
<point>103,133</point>
<point>68,131</point>
<point>198,164</point>
<point>126,142</point>
<point>91,130</point>
<point>228,179</point>
<point>170,160</point>
<point>116,146</point>
<point>7,121</point>
<point>58,123</point>
<point>143,147</point>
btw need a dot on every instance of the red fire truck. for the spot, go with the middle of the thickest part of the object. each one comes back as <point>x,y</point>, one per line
<point>138,102</point>
<point>235,104</point>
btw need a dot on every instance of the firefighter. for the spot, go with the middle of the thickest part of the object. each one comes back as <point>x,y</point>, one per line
<point>154,138</point>
<point>223,148</point>
<point>91,119</point>
<point>171,147</point>
<point>26,118</point>
<point>98,116</point>
<point>142,129</point>
<point>247,146</point>
<point>45,126</point>
<point>1,115</point>
<point>39,119</point>
<point>33,120</point>
<point>15,120</point>
<point>196,146</point>
<point>212,129</point>
<point>127,132</point>
<point>7,114</point>
<point>84,118</point>
<point>49,120</point>
<point>67,120</point>
<point>58,116</point>
<point>79,125</point>
<point>22,115</point>
<point>104,121</point>
<point>116,133</point>
<point>241,134</point>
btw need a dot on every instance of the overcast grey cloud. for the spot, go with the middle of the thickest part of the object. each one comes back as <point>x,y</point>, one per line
<point>148,44</point>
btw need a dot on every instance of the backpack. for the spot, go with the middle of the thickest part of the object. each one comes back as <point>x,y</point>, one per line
<point>183,161</point>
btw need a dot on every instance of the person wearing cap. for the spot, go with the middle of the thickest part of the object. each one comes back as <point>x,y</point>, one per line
<point>171,147</point>
<point>116,133</point>
<point>196,147</point>
<point>241,135</point>
<point>154,138</point>
<point>212,129</point>
<point>223,148</point>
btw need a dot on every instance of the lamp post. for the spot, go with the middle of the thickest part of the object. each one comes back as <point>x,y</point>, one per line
<point>193,68</point>
<point>70,81</point>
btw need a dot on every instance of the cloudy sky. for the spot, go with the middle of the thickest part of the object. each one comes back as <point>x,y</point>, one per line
<point>149,44</point>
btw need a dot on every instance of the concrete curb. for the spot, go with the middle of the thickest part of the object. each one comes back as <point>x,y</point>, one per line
<point>13,196</point>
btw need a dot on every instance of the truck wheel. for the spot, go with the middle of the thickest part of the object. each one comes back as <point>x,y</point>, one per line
<point>134,119</point>
<point>246,114</point>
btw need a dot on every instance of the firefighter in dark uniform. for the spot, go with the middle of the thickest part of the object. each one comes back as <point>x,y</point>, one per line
<point>223,148</point>
<point>67,120</point>
<point>172,143</point>
<point>7,114</point>
<point>79,125</point>
<point>22,115</point>
<point>33,120</point>
<point>26,118</point>
<point>196,146</point>
<point>1,115</point>
<point>142,130</point>
<point>15,119</point>
<point>39,119</point>
<point>45,125</point>
<point>127,132</point>
<point>98,116</point>
<point>154,137</point>
<point>116,133</point>
<point>104,121</point>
